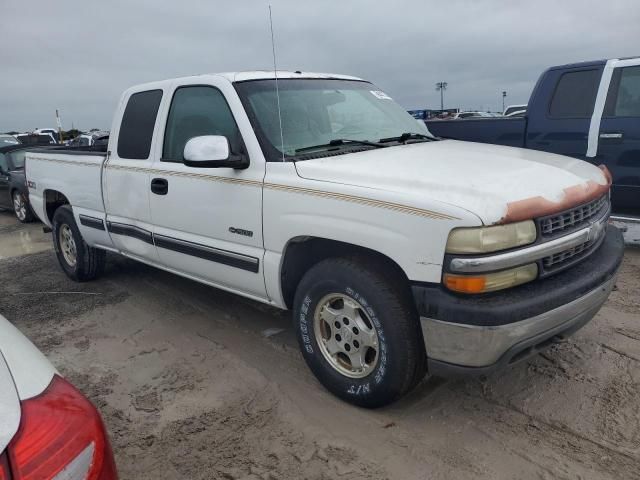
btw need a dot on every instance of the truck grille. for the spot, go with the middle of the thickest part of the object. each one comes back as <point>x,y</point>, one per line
<point>564,259</point>
<point>573,219</point>
<point>563,223</point>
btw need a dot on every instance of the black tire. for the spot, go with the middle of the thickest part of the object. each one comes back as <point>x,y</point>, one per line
<point>24,213</point>
<point>89,261</point>
<point>402,359</point>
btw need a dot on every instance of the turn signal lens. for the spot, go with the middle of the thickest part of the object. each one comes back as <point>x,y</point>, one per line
<point>491,239</point>
<point>491,282</point>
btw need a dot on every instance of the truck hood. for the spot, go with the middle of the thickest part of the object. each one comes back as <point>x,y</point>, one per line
<point>498,184</point>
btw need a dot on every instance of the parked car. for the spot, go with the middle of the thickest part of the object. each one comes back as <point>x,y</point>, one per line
<point>8,140</point>
<point>48,429</point>
<point>36,138</point>
<point>461,115</point>
<point>51,131</point>
<point>515,111</point>
<point>419,114</point>
<point>397,252</point>
<point>589,111</point>
<point>90,139</point>
<point>101,141</point>
<point>14,193</point>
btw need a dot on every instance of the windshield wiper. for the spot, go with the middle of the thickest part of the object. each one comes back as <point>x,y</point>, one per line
<point>407,136</point>
<point>339,142</point>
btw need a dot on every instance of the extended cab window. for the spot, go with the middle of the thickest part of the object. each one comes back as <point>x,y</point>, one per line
<point>136,128</point>
<point>623,99</point>
<point>575,94</point>
<point>196,111</point>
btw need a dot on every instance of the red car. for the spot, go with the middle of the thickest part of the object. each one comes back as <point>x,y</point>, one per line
<point>48,429</point>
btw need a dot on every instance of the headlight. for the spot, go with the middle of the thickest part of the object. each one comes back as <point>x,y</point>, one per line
<point>491,239</point>
<point>490,282</point>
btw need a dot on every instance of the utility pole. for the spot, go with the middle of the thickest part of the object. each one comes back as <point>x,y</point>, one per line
<point>441,87</point>
<point>504,95</point>
<point>59,126</point>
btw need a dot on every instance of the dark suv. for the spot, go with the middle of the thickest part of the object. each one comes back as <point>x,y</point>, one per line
<point>13,189</point>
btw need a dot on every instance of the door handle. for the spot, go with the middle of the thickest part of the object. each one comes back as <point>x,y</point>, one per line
<point>159,186</point>
<point>611,135</point>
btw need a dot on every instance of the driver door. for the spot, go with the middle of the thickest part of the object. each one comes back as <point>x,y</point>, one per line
<point>207,221</point>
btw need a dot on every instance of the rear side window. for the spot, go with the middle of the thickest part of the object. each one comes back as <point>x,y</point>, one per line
<point>195,111</point>
<point>136,128</point>
<point>575,94</point>
<point>623,99</point>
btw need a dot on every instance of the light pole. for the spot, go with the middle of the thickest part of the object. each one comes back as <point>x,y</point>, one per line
<point>504,95</point>
<point>441,86</point>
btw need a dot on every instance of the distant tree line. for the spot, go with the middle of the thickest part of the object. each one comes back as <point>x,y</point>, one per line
<point>66,134</point>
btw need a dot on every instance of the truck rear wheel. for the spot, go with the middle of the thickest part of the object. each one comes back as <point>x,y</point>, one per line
<point>358,331</point>
<point>78,260</point>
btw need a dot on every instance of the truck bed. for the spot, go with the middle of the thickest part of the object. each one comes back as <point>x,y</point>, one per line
<point>77,172</point>
<point>508,131</point>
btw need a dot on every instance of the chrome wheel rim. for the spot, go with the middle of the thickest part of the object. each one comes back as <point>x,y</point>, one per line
<point>19,206</point>
<point>346,336</point>
<point>67,245</point>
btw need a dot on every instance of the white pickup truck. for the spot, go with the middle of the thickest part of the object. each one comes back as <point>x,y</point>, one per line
<point>399,253</point>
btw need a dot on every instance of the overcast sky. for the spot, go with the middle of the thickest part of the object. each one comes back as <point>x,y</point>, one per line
<point>78,56</point>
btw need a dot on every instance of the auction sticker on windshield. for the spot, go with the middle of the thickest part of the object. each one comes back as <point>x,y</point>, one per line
<point>380,94</point>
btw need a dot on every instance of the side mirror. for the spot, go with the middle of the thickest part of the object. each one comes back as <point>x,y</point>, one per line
<point>211,151</point>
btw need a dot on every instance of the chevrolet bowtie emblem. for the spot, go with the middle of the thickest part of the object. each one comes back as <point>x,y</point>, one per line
<point>595,230</point>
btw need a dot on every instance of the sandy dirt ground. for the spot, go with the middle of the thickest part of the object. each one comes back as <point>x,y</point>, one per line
<point>195,383</point>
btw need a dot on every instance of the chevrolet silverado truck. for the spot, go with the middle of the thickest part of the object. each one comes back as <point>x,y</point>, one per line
<point>588,110</point>
<point>398,253</point>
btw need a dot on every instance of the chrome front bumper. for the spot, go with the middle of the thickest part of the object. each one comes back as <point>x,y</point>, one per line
<point>481,347</point>
<point>593,233</point>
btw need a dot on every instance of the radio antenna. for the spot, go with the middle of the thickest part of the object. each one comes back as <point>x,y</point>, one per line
<point>275,73</point>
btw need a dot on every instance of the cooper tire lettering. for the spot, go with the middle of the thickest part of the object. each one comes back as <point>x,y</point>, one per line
<point>400,360</point>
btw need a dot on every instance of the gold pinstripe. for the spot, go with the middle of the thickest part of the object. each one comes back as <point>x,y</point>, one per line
<point>173,173</point>
<point>370,202</point>
<point>69,162</point>
<point>362,201</point>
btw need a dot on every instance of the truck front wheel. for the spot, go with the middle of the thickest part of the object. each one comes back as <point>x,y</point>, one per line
<point>358,331</point>
<point>78,260</point>
<point>21,207</point>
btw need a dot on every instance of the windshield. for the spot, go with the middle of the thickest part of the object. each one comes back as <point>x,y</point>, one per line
<point>17,158</point>
<point>8,140</point>
<point>316,112</point>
